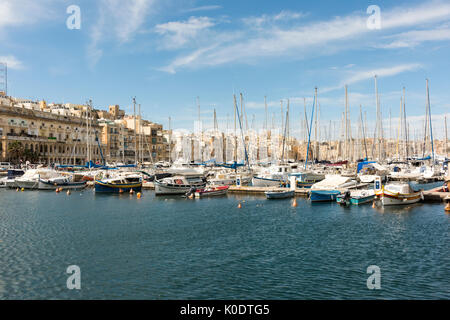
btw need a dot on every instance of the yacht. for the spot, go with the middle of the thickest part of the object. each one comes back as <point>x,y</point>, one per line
<point>30,180</point>
<point>273,176</point>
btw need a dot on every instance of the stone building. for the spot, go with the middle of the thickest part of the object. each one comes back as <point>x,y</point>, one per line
<point>53,138</point>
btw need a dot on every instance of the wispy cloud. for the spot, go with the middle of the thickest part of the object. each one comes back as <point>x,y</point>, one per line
<point>14,13</point>
<point>266,36</point>
<point>204,8</point>
<point>119,21</point>
<point>381,72</point>
<point>12,62</point>
<point>416,37</point>
<point>178,33</point>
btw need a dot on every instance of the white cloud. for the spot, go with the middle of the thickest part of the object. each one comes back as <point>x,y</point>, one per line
<point>178,33</point>
<point>265,37</point>
<point>204,8</point>
<point>12,62</point>
<point>413,38</point>
<point>118,20</point>
<point>23,12</point>
<point>266,19</point>
<point>381,72</point>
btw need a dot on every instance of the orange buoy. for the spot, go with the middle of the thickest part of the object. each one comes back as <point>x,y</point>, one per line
<point>373,204</point>
<point>239,205</point>
<point>138,195</point>
<point>294,203</point>
<point>447,206</point>
<point>120,190</point>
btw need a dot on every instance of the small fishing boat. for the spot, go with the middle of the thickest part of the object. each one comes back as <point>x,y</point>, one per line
<point>280,194</point>
<point>60,182</point>
<point>119,184</point>
<point>211,191</point>
<point>356,197</point>
<point>398,194</point>
<point>178,184</point>
<point>329,188</point>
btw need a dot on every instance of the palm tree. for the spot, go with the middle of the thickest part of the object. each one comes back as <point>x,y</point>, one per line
<point>15,150</point>
<point>31,156</point>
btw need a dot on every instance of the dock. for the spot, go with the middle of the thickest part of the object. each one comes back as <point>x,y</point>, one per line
<point>435,195</point>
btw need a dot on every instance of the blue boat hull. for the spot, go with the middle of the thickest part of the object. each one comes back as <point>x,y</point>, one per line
<point>362,200</point>
<point>103,187</point>
<point>280,195</point>
<point>323,195</point>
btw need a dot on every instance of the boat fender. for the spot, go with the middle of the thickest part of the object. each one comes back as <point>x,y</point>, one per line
<point>294,203</point>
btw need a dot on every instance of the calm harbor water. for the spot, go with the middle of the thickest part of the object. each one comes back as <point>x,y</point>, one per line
<point>160,248</point>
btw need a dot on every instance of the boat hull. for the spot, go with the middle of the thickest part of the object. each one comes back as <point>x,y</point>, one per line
<point>279,195</point>
<point>218,191</point>
<point>27,184</point>
<point>104,187</point>
<point>265,182</point>
<point>393,199</point>
<point>47,185</point>
<point>166,189</point>
<point>362,200</point>
<point>323,195</point>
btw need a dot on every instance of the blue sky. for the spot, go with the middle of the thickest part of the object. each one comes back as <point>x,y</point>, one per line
<point>168,52</point>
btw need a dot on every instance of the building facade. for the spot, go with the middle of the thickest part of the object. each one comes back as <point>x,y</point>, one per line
<point>71,134</point>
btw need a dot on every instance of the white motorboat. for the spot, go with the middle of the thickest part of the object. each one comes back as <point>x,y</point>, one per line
<point>63,182</point>
<point>30,180</point>
<point>178,184</point>
<point>273,176</point>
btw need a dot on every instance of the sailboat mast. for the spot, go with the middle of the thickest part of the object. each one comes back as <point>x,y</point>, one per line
<point>346,146</point>
<point>170,140</point>
<point>446,137</point>
<point>135,128</point>
<point>265,109</point>
<point>316,151</point>
<point>140,136</point>
<point>404,125</point>
<point>235,136</point>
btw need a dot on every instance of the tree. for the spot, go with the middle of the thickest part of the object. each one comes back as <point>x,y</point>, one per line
<point>15,150</point>
<point>32,156</point>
